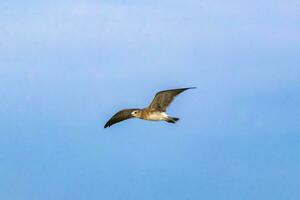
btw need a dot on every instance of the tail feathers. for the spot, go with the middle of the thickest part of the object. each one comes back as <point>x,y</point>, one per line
<point>172,120</point>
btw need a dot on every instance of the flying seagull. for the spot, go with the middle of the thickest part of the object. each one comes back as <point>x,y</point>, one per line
<point>156,111</point>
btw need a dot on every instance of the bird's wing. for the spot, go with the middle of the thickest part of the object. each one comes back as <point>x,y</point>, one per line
<point>120,116</point>
<point>164,98</point>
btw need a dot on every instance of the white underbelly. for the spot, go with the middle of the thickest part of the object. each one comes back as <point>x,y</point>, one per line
<point>157,116</point>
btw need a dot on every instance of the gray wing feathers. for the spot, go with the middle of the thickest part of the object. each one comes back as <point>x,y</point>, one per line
<point>164,98</point>
<point>120,116</point>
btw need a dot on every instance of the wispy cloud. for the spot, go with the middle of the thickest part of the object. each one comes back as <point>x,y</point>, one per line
<point>79,23</point>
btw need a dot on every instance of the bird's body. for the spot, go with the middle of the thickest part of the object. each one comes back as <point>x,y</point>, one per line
<point>156,111</point>
<point>151,114</point>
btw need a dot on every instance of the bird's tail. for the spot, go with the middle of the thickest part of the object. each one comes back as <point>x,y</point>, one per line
<point>172,119</point>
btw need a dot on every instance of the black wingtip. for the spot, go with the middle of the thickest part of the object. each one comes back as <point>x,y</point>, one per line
<point>189,88</point>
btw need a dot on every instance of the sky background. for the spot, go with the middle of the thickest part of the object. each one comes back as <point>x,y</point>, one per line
<point>67,66</point>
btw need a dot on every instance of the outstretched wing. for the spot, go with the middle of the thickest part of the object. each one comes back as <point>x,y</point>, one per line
<point>120,116</point>
<point>164,98</point>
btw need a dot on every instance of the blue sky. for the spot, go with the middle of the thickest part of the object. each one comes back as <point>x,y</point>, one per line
<point>67,66</point>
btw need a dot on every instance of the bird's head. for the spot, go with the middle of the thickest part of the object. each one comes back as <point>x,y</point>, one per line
<point>136,113</point>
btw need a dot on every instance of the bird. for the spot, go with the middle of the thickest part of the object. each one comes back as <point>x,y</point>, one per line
<point>156,111</point>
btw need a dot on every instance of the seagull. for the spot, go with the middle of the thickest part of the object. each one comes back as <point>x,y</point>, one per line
<point>156,111</point>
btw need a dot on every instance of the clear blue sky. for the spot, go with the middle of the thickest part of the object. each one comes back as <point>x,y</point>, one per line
<point>67,66</point>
